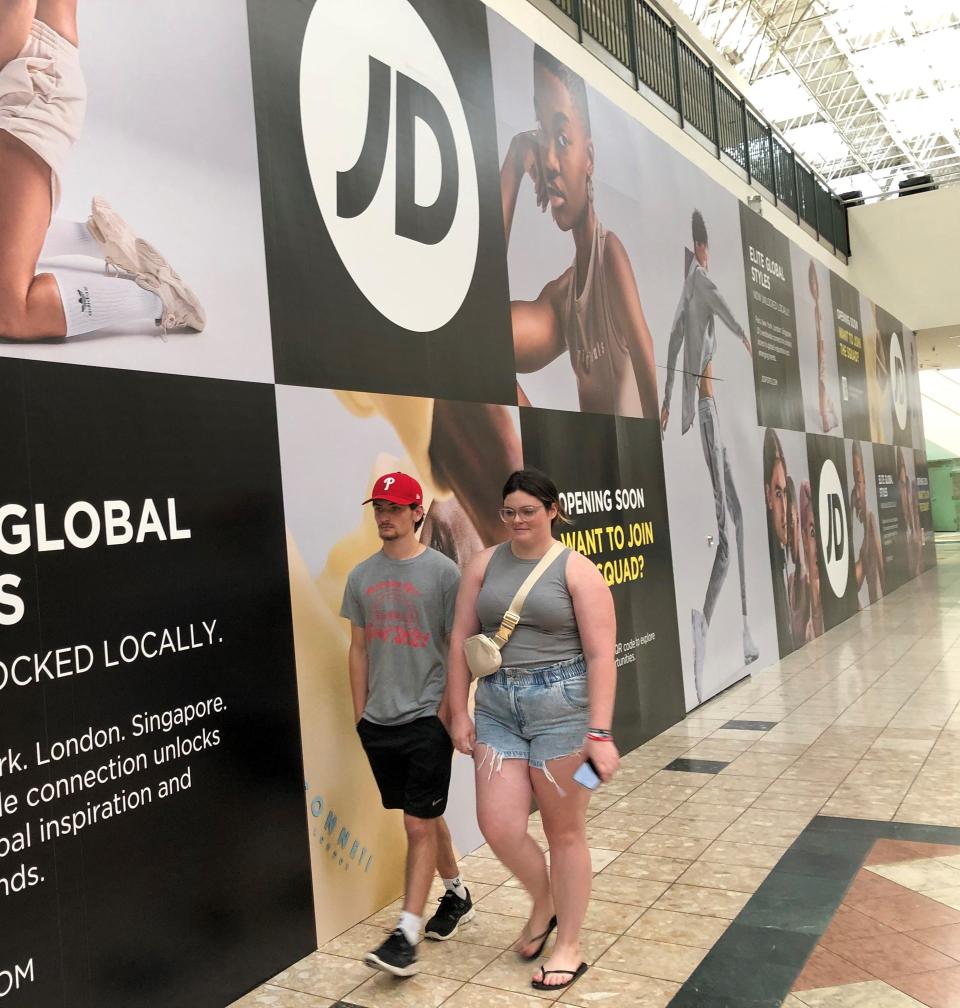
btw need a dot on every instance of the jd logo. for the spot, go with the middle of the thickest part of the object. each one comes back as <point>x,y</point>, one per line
<point>834,545</point>
<point>898,381</point>
<point>390,157</point>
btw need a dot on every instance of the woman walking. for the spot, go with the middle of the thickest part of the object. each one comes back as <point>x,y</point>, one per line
<point>540,716</point>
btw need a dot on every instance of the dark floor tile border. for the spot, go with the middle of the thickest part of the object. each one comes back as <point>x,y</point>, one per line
<point>759,726</point>
<point>689,765</point>
<point>757,959</point>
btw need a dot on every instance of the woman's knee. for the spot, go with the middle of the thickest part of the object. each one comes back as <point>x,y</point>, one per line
<point>502,832</point>
<point>13,317</point>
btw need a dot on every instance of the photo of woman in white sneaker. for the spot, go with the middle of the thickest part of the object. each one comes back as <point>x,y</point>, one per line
<point>42,106</point>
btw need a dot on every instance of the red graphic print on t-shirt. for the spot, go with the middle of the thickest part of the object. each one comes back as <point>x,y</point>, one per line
<point>394,615</point>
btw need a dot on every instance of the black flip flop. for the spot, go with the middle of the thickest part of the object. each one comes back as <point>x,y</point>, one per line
<point>574,975</point>
<point>542,938</point>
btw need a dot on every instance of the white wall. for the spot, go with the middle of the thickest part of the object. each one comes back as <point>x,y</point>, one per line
<point>903,256</point>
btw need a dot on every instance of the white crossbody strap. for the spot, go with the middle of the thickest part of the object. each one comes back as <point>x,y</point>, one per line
<point>512,616</point>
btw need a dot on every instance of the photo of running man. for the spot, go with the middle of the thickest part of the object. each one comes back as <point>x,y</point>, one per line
<point>828,415</point>
<point>592,311</point>
<point>694,328</point>
<point>42,105</point>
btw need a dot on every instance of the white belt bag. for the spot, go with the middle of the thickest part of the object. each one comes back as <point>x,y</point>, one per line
<point>483,652</point>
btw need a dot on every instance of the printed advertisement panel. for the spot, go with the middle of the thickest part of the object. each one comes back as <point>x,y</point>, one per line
<point>865,534</point>
<point>925,510</point>
<point>792,539</point>
<point>769,280</point>
<point>610,473</point>
<point>572,184</point>
<point>892,515</point>
<point>833,581</point>
<point>698,315</point>
<point>382,216</point>
<point>877,370</point>
<point>893,346</point>
<point>848,332</point>
<point>815,344</point>
<point>357,848</point>
<point>162,177</point>
<point>148,704</point>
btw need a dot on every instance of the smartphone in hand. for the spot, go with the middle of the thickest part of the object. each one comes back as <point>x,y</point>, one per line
<point>587,775</point>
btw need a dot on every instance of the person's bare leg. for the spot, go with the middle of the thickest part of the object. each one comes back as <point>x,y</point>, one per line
<point>473,449</point>
<point>564,821</point>
<point>446,857</point>
<point>61,16</point>
<point>421,862</point>
<point>503,811</point>
<point>30,306</point>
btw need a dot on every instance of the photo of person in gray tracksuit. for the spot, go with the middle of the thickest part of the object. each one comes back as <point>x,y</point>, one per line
<point>694,328</point>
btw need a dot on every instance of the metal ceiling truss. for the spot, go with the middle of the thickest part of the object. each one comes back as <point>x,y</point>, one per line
<point>805,40</point>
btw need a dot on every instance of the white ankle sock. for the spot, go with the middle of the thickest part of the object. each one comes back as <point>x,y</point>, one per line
<point>91,301</point>
<point>68,238</point>
<point>455,885</point>
<point>410,925</point>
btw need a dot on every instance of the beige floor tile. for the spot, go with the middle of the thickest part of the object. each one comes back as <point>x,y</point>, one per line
<point>513,902</point>
<point>510,973</point>
<point>949,897</point>
<point>483,869</point>
<point>353,944</point>
<point>702,829</point>
<point>647,866</point>
<point>617,990</point>
<point>660,960</point>
<point>612,918</point>
<point>921,876</point>
<point>419,991</point>
<point>669,846</point>
<point>679,928</point>
<point>624,822</point>
<point>748,855</point>
<point>277,997</point>
<point>495,930</point>
<point>701,900</point>
<point>608,839</point>
<point>871,994</point>
<point>475,996</point>
<point>712,875</point>
<point>634,892</point>
<point>324,975</point>
<point>453,959</point>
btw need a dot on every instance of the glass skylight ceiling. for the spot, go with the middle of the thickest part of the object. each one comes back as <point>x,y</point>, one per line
<point>866,91</point>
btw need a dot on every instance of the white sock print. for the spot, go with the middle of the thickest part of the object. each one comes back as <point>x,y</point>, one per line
<point>91,301</point>
<point>69,238</point>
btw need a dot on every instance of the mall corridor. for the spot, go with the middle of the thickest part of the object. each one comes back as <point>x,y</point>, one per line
<point>794,841</point>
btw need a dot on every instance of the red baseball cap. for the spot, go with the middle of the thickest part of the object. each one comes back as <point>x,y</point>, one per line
<point>398,488</point>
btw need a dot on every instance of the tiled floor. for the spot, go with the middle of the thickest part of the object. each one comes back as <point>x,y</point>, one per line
<point>803,851</point>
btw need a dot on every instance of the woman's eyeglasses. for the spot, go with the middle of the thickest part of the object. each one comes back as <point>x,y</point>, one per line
<point>509,515</point>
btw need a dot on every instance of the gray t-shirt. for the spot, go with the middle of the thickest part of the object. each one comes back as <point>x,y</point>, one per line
<point>406,607</point>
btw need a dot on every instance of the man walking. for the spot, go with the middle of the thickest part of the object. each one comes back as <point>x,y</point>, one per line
<point>400,605</point>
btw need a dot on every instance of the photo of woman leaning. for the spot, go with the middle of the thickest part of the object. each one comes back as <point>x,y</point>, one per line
<point>546,711</point>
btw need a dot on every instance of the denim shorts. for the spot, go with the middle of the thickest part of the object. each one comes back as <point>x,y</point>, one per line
<point>536,714</point>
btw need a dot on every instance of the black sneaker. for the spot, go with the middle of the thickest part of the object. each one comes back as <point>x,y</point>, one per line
<point>396,955</point>
<point>451,913</point>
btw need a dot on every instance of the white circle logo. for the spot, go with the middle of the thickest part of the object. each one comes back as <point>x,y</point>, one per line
<point>390,158</point>
<point>834,537</point>
<point>898,381</point>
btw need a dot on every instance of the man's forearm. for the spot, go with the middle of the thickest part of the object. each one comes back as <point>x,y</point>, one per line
<point>359,681</point>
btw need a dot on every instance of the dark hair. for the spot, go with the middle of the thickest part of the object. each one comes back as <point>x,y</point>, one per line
<point>573,82</point>
<point>699,228</point>
<point>772,452</point>
<point>539,485</point>
<point>417,524</point>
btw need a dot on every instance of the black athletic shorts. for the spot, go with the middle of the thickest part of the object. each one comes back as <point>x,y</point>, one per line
<point>411,764</point>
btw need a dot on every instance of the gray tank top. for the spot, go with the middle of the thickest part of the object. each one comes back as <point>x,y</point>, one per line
<point>547,632</point>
